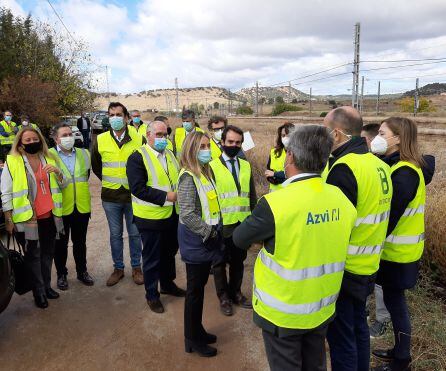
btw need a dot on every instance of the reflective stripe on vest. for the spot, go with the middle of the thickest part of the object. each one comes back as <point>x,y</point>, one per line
<point>210,209</point>
<point>373,206</point>
<point>77,191</point>
<point>114,158</point>
<point>22,210</point>
<point>296,285</point>
<point>276,164</point>
<point>234,207</point>
<point>405,244</point>
<point>157,178</point>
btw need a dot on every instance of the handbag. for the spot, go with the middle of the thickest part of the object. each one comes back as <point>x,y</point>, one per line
<point>6,278</point>
<point>23,277</point>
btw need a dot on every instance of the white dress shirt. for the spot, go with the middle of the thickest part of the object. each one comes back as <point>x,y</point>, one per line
<point>227,160</point>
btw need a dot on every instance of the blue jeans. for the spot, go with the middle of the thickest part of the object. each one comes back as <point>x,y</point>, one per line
<point>115,213</point>
<point>348,335</point>
<point>86,136</point>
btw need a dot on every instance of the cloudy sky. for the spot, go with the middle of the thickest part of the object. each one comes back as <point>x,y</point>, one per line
<point>233,43</point>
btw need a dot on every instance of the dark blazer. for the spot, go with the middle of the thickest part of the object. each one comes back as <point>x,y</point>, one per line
<point>79,123</point>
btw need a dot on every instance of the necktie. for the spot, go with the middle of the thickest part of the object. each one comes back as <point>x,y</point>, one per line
<point>234,173</point>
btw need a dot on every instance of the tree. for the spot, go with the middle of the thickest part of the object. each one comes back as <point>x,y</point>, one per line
<point>244,110</point>
<point>284,107</point>
<point>279,99</point>
<point>216,105</point>
<point>407,105</point>
<point>270,100</point>
<point>294,101</point>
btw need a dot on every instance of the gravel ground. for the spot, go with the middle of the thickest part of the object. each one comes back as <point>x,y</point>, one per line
<point>111,328</point>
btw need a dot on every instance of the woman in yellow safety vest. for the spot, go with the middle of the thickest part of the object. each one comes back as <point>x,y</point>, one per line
<point>198,236</point>
<point>403,247</point>
<point>32,202</point>
<point>275,173</point>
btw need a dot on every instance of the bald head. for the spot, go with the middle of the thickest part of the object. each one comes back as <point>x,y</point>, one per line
<point>346,119</point>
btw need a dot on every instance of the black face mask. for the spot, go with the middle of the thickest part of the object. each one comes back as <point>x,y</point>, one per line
<point>169,130</point>
<point>32,148</point>
<point>231,151</point>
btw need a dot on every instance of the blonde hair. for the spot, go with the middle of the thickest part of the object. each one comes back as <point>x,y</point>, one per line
<point>17,151</point>
<point>189,155</point>
<point>408,147</point>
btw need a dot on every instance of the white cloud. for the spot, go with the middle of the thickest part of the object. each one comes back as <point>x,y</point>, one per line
<point>235,43</point>
<point>14,6</point>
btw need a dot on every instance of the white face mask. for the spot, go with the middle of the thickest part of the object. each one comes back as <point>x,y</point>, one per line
<point>217,135</point>
<point>25,123</point>
<point>286,141</point>
<point>67,142</point>
<point>379,145</point>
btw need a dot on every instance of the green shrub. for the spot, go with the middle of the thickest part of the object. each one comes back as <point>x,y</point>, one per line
<point>323,114</point>
<point>284,107</point>
<point>244,110</point>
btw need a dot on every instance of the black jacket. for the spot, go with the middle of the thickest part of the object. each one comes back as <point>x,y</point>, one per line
<point>358,286</point>
<point>120,195</point>
<point>137,176</point>
<point>405,183</point>
<point>80,124</point>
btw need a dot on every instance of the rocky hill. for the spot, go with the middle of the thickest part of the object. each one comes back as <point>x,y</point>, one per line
<point>429,89</point>
<point>269,94</point>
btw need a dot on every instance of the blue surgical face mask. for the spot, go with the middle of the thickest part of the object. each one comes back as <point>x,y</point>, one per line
<point>204,156</point>
<point>8,118</point>
<point>116,122</point>
<point>160,144</point>
<point>136,120</point>
<point>188,126</point>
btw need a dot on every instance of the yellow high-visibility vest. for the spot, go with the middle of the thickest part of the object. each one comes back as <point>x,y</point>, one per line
<point>210,209</point>
<point>234,205</point>
<point>157,178</point>
<point>276,164</point>
<point>77,192</point>
<point>406,243</point>
<point>373,206</point>
<point>22,210</point>
<point>180,136</point>
<point>114,159</point>
<point>8,129</point>
<point>297,285</point>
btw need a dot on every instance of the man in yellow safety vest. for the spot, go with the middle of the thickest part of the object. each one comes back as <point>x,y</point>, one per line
<point>305,228</point>
<point>76,205</point>
<point>188,126</point>
<point>152,171</point>
<point>237,197</point>
<point>8,130</point>
<point>108,161</point>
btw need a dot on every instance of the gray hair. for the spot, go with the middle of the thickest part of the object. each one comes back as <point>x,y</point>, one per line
<point>151,125</point>
<point>310,146</point>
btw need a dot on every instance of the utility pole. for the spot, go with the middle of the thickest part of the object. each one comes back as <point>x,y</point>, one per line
<point>257,98</point>
<point>311,102</point>
<point>416,102</point>
<point>362,96</point>
<point>377,99</point>
<point>289,92</point>
<point>355,88</point>
<point>176,96</point>
<point>229,101</point>
<point>106,80</point>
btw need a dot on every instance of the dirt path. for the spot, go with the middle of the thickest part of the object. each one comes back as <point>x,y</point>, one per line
<point>92,328</point>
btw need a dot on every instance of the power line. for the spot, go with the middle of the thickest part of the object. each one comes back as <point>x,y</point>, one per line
<point>61,21</point>
<point>402,66</point>
<point>405,60</point>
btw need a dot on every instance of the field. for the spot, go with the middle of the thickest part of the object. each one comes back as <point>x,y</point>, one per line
<point>427,301</point>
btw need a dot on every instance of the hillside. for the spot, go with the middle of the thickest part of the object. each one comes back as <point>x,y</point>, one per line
<point>429,89</point>
<point>268,94</point>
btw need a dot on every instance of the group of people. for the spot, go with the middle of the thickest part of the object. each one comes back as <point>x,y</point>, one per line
<point>344,211</point>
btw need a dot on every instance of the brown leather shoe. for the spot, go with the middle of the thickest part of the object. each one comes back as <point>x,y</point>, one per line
<point>138,278</point>
<point>156,306</point>
<point>226,307</point>
<point>115,277</point>
<point>242,301</point>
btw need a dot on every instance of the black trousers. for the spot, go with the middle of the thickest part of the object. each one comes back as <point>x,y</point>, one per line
<point>396,304</point>
<point>159,248</point>
<point>77,223</point>
<point>234,257</point>
<point>197,277</point>
<point>304,352</point>
<point>39,254</point>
